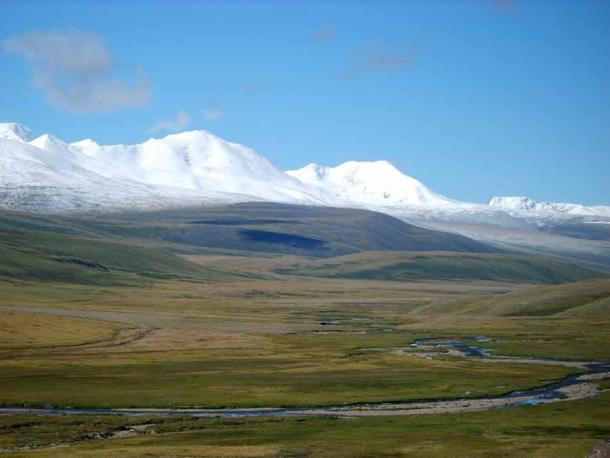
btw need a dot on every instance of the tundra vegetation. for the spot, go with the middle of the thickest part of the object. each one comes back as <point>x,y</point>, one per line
<point>138,311</point>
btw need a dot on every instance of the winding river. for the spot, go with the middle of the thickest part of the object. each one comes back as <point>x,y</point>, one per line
<point>578,386</point>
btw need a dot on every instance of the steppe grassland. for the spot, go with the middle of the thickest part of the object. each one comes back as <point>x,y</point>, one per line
<point>32,330</point>
<point>563,430</point>
<point>295,341</point>
<point>276,342</point>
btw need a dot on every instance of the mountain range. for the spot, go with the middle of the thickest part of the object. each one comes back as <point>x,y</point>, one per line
<point>44,174</point>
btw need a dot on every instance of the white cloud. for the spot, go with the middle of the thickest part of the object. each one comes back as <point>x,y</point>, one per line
<point>212,113</point>
<point>213,110</point>
<point>75,70</point>
<point>180,122</point>
<point>376,58</point>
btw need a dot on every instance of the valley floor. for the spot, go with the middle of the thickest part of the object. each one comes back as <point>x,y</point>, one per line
<point>295,342</point>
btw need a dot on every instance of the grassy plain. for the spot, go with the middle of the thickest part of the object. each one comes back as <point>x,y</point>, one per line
<point>149,323</point>
<point>32,330</point>
<point>439,265</point>
<point>563,430</point>
<point>246,343</point>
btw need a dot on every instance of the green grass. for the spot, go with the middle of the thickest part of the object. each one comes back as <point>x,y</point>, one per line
<point>563,430</point>
<point>444,266</point>
<point>218,344</point>
<point>138,248</point>
<point>216,338</point>
<point>51,256</point>
<point>569,321</point>
<point>37,330</point>
<point>294,371</point>
<point>255,227</point>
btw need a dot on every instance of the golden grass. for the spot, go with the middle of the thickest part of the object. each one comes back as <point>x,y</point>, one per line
<point>281,341</point>
<point>35,330</point>
<point>144,447</point>
<point>561,430</point>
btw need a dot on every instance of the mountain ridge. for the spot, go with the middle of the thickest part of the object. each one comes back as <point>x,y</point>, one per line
<point>198,163</point>
<point>527,204</point>
<point>196,168</point>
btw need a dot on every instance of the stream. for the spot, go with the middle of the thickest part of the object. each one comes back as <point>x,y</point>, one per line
<point>576,386</point>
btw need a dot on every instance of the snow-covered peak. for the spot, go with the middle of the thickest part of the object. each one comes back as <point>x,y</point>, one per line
<point>50,143</point>
<point>529,205</point>
<point>84,143</point>
<point>513,203</point>
<point>14,131</point>
<point>194,160</point>
<point>198,164</point>
<point>377,183</point>
<point>202,152</point>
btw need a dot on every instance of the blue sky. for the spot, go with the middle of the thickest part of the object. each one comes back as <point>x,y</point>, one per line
<point>474,98</point>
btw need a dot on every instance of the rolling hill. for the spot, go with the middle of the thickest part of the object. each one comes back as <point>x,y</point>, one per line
<point>282,229</point>
<point>134,247</point>
<point>405,266</point>
<point>46,175</point>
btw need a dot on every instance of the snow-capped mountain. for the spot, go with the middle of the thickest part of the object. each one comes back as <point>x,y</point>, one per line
<point>528,205</point>
<point>191,167</point>
<point>371,183</point>
<point>197,160</point>
<point>46,174</point>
